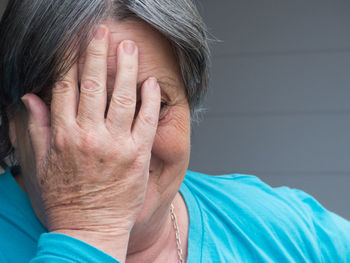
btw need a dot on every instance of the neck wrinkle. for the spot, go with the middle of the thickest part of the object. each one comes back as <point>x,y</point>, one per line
<point>164,247</point>
<point>158,250</point>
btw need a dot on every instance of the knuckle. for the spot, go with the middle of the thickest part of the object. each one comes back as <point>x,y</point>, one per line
<point>129,155</point>
<point>124,100</point>
<point>88,143</point>
<point>60,140</point>
<point>63,86</point>
<point>97,51</point>
<point>149,119</point>
<point>130,66</point>
<point>91,85</point>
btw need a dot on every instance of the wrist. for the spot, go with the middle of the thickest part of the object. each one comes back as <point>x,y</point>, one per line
<point>113,244</point>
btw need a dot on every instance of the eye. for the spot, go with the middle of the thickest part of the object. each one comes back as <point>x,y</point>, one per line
<point>163,110</point>
<point>162,105</point>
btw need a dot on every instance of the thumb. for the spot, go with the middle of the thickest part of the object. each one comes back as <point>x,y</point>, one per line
<point>39,124</point>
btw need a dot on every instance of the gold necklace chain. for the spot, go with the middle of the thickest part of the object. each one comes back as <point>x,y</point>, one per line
<point>177,234</point>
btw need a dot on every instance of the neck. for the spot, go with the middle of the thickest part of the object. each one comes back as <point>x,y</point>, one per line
<point>161,245</point>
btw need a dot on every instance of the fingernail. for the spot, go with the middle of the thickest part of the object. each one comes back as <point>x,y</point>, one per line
<point>100,33</point>
<point>152,82</point>
<point>129,47</point>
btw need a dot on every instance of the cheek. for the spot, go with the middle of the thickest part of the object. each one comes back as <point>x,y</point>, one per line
<point>172,141</point>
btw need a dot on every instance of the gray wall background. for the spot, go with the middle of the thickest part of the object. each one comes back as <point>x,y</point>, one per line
<point>279,105</point>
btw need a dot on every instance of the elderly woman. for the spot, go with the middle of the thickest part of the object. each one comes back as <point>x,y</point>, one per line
<point>96,156</point>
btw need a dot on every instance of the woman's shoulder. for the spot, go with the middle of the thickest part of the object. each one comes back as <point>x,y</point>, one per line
<point>257,217</point>
<point>236,187</point>
<point>248,191</point>
<point>251,190</point>
<point>20,229</point>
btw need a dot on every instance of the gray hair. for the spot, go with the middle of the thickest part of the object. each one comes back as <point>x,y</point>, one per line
<point>40,39</point>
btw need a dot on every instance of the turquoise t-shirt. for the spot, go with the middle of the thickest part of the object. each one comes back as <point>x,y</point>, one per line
<point>233,218</point>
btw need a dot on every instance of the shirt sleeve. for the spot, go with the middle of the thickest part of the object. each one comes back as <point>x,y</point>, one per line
<point>331,230</point>
<point>59,248</point>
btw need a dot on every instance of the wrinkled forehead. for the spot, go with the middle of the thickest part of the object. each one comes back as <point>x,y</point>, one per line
<point>156,55</point>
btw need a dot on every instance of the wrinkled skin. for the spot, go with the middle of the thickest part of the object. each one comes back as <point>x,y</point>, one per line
<point>93,168</point>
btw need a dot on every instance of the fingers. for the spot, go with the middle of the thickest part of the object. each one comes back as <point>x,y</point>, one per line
<point>121,110</point>
<point>92,102</point>
<point>38,124</point>
<point>64,98</point>
<point>146,123</point>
